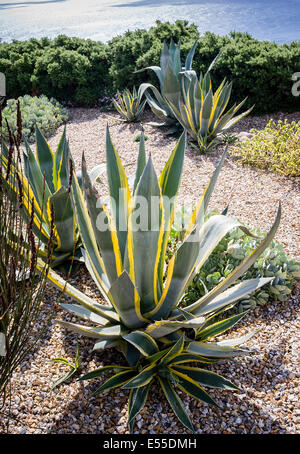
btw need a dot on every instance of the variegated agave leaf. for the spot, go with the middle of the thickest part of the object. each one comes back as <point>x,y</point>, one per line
<point>142,314</point>
<point>130,105</point>
<point>45,181</point>
<point>171,369</point>
<point>170,61</point>
<point>200,111</point>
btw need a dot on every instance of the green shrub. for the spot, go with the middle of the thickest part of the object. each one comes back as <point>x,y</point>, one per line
<point>261,70</point>
<point>17,62</point>
<point>138,137</point>
<point>141,48</point>
<point>229,253</point>
<point>276,147</point>
<point>72,69</point>
<point>69,69</point>
<point>47,114</point>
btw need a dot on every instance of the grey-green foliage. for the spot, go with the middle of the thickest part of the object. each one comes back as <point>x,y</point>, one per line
<point>170,58</point>
<point>144,316</point>
<point>198,109</point>
<point>229,253</point>
<point>46,113</point>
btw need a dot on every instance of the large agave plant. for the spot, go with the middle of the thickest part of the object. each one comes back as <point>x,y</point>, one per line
<point>45,187</point>
<point>142,315</point>
<point>200,111</point>
<point>170,58</point>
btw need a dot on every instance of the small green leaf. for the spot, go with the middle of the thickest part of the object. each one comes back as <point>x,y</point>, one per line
<point>98,372</point>
<point>62,360</point>
<point>143,378</point>
<point>63,378</point>
<point>117,380</point>
<point>176,403</point>
<point>137,400</point>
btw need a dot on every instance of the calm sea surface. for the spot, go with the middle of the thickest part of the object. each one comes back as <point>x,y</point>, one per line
<point>273,20</point>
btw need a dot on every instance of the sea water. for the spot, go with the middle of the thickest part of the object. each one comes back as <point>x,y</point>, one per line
<point>273,20</point>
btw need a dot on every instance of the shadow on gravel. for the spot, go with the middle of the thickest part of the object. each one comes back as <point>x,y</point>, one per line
<point>82,114</point>
<point>43,328</point>
<point>91,413</point>
<point>106,413</point>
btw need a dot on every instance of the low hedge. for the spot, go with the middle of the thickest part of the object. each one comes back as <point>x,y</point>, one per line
<point>82,71</point>
<point>68,69</point>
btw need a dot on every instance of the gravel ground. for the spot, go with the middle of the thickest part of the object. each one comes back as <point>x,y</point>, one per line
<point>269,380</point>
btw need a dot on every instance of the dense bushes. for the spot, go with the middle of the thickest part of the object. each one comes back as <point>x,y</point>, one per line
<point>46,114</point>
<point>73,69</point>
<point>276,147</point>
<point>141,48</point>
<point>81,70</point>
<point>17,61</point>
<point>68,69</point>
<point>260,70</point>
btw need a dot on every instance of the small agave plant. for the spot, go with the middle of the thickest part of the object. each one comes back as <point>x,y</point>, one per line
<point>45,187</point>
<point>143,316</point>
<point>199,110</point>
<point>129,105</point>
<point>170,58</point>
